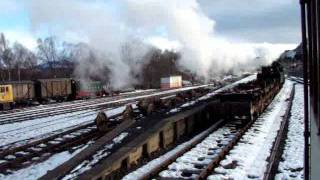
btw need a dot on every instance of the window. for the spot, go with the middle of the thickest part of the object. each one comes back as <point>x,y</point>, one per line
<point>2,90</point>
<point>7,89</point>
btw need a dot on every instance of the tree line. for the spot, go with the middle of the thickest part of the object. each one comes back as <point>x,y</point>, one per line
<point>52,59</point>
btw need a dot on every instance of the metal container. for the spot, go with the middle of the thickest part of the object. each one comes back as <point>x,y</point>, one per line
<point>86,89</point>
<point>54,88</point>
<point>171,82</point>
<point>23,90</point>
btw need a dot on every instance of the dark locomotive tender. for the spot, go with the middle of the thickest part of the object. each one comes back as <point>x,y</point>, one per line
<point>248,100</point>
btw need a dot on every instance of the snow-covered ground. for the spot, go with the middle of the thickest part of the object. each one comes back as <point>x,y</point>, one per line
<point>200,149</point>
<point>88,164</point>
<point>293,156</point>
<point>91,103</point>
<point>138,91</point>
<point>202,154</point>
<point>37,170</point>
<point>250,155</point>
<point>82,103</point>
<point>26,131</point>
<point>23,132</point>
<point>139,173</point>
<point>207,96</point>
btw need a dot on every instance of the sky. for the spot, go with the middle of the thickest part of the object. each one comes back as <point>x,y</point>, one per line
<point>274,21</point>
<point>255,21</point>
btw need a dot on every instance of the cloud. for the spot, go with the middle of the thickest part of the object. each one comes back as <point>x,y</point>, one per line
<point>9,6</point>
<point>256,21</point>
<point>25,38</point>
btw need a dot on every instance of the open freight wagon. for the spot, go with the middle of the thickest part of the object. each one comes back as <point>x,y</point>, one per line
<point>57,89</point>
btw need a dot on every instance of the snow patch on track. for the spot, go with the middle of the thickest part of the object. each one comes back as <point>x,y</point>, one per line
<point>37,170</point>
<point>88,164</point>
<point>251,153</point>
<point>293,156</point>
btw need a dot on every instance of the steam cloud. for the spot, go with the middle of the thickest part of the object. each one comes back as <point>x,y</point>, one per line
<point>109,26</point>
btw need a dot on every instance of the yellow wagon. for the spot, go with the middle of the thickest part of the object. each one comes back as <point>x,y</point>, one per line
<point>6,96</point>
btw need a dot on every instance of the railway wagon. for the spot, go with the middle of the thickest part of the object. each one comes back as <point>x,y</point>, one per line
<point>6,96</point>
<point>246,104</point>
<point>57,89</point>
<point>23,91</point>
<point>247,101</point>
<point>89,89</point>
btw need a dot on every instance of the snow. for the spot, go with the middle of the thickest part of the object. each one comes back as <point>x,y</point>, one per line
<point>27,131</point>
<point>24,132</point>
<point>293,156</point>
<point>138,91</point>
<point>66,105</point>
<point>200,155</point>
<point>37,170</point>
<point>91,103</point>
<point>88,164</point>
<point>139,173</point>
<point>174,110</point>
<point>251,153</point>
<point>19,133</point>
<point>10,157</point>
<point>188,104</point>
<point>244,80</point>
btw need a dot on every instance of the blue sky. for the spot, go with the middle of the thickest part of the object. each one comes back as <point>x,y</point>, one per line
<point>258,21</point>
<point>15,22</point>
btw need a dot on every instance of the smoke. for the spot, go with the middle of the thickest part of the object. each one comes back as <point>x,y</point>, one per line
<point>112,45</point>
<point>119,31</point>
<point>203,52</point>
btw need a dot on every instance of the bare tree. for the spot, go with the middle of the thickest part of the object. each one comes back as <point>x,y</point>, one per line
<point>6,57</point>
<point>2,48</point>
<point>23,58</point>
<point>48,52</point>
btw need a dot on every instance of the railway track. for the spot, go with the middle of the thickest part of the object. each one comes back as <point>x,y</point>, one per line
<point>69,107</point>
<point>75,102</point>
<point>19,157</point>
<point>14,158</point>
<point>276,151</point>
<point>22,156</point>
<point>96,105</point>
<point>296,79</point>
<point>198,158</point>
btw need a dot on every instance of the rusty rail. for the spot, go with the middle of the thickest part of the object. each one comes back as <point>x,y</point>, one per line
<point>273,160</point>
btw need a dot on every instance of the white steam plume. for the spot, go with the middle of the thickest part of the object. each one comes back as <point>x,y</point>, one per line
<point>203,51</point>
<point>107,25</point>
<point>93,22</point>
